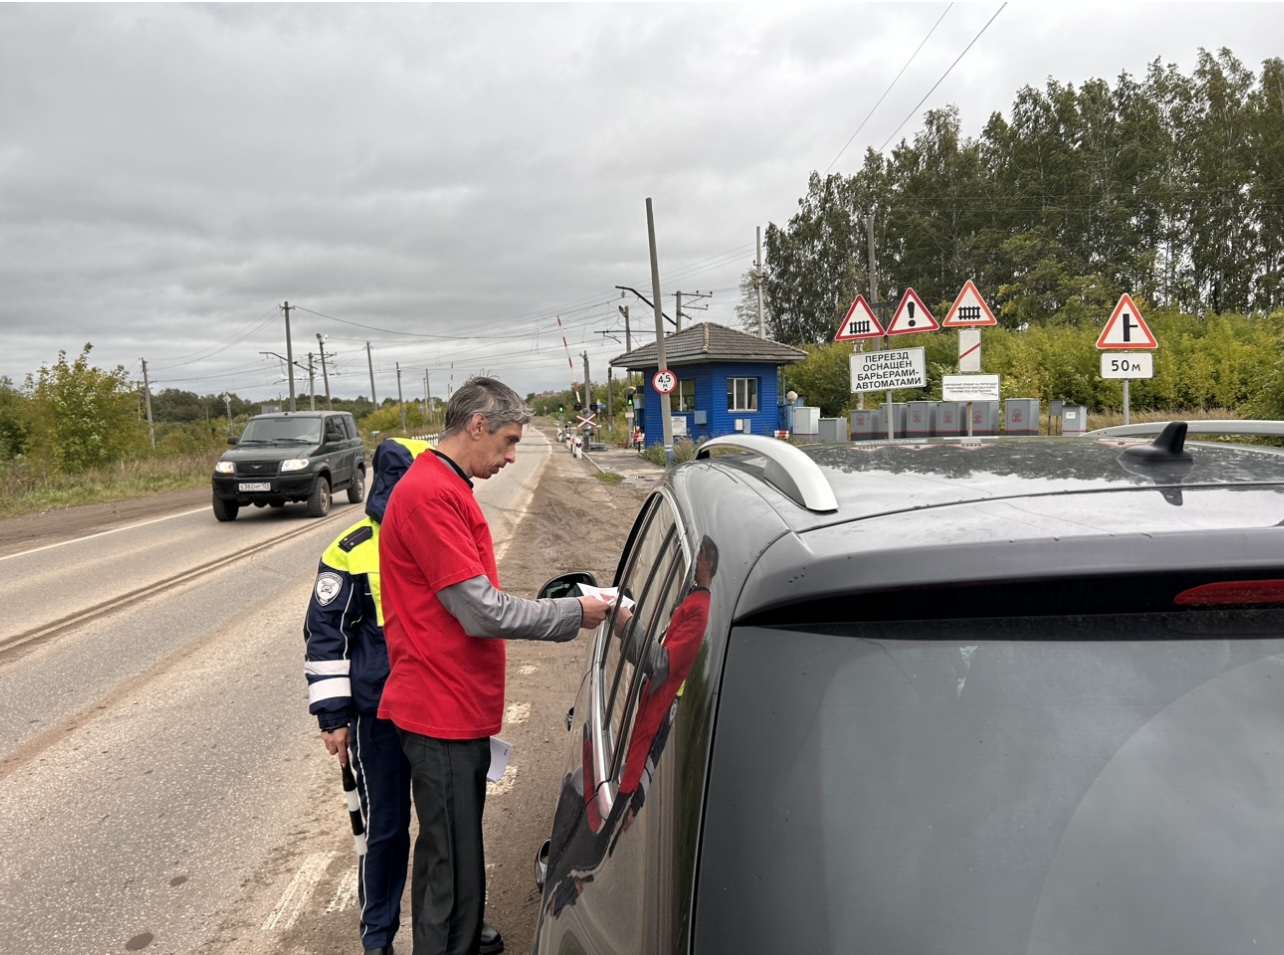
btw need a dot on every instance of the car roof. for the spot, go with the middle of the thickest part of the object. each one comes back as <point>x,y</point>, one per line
<point>908,513</point>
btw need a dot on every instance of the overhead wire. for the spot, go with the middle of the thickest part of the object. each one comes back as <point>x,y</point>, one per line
<point>889,88</point>
<point>947,72</point>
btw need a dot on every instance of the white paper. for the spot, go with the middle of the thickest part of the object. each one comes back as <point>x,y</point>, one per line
<point>609,594</point>
<point>499,753</point>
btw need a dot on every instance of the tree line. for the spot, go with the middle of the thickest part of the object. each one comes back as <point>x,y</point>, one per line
<point>1170,188</point>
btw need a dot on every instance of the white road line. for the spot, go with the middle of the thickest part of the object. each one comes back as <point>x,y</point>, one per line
<point>114,530</point>
<point>526,669</point>
<point>298,892</point>
<point>517,713</point>
<point>345,894</point>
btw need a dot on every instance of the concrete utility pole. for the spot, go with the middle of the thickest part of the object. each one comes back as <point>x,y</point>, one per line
<point>227,400</point>
<point>610,411</point>
<point>628,335</point>
<point>370,364</point>
<point>690,296</point>
<point>762,326</point>
<point>147,401</point>
<point>588,391</point>
<point>666,418</point>
<point>400,404</point>
<point>289,354</point>
<point>428,392</point>
<point>325,374</point>
<point>312,385</point>
<point>678,314</point>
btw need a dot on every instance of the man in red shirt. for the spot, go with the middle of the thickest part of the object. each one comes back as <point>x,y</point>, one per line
<point>445,620</point>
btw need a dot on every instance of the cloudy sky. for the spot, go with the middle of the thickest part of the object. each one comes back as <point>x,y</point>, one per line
<point>446,181</point>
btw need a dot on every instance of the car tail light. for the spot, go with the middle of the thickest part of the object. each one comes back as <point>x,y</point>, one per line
<point>1231,592</point>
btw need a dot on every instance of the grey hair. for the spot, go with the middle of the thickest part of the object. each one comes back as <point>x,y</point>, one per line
<point>490,397</point>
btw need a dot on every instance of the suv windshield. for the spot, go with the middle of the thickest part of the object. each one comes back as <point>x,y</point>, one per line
<point>1017,786</point>
<point>282,431</point>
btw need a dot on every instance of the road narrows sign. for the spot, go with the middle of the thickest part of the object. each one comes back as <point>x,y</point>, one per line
<point>912,316</point>
<point>1126,328</point>
<point>859,322</point>
<point>969,310</point>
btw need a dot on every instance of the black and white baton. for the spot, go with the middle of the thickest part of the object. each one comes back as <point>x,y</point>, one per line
<point>354,810</point>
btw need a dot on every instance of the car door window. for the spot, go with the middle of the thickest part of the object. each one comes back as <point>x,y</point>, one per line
<point>333,430</point>
<point>649,563</point>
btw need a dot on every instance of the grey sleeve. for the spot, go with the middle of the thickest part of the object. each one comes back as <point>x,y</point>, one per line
<point>656,664</point>
<point>485,611</point>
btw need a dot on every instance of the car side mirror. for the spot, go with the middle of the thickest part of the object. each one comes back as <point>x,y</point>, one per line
<point>563,584</point>
<point>232,441</point>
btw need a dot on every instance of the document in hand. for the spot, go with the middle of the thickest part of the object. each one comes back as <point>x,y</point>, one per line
<point>609,594</point>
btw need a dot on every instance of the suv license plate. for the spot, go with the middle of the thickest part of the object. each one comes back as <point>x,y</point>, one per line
<point>255,486</point>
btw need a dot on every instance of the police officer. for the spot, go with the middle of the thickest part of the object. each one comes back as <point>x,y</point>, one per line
<point>346,664</point>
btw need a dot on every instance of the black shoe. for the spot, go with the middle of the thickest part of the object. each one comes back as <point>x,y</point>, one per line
<point>380,951</point>
<point>492,943</point>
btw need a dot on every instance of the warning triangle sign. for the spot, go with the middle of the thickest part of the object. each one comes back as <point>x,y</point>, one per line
<point>1126,328</point>
<point>912,316</point>
<point>969,310</point>
<point>859,322</point>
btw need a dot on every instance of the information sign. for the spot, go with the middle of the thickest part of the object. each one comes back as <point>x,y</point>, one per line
<point>969,387</point>
<point>885,370</point>
<point>1127,365</point>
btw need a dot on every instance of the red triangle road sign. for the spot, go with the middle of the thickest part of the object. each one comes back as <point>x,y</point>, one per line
<point>969,310</point>
<point>1126,328</point>
<point>859,322</point>
<point>912,316</point>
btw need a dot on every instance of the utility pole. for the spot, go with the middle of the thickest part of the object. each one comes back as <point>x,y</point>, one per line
<point>227,400</point>
<point>370,364</point>
<point>312,385</point>
<point>325,374</point>
<point>666,419</point>
<point>762,328</point>
<point>644,299</point>
<point>289,354</point>
<point>147,401</point>
<point>628,335</point>
<point>428,392</point>
<point>400,405</point>
<point>678,317</point>
<point>610,411</point>
<point>690,295</point>
<point>588,396</point>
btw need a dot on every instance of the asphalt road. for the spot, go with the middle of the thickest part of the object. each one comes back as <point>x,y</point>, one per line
<point>163,785</point>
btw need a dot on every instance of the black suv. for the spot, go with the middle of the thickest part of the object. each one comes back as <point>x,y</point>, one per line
<point>288,457</point>
<point>984,697</point>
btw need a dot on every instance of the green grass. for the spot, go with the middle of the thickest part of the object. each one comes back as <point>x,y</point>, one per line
<point>31,490</point>
<point>609,477</point>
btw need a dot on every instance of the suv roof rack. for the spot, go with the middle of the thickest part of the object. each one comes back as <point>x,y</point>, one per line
<point>797,476</point>
<point>1273,429</point>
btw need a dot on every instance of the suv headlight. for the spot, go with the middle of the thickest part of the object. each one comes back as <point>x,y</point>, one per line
<point>224,467</point>
<point>294,464</point>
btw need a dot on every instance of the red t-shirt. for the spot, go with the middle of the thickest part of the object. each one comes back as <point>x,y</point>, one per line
<point>683,640</point>
<point>442,682</point>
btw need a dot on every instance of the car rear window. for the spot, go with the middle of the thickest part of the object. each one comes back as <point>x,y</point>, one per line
<point>1034,785</point>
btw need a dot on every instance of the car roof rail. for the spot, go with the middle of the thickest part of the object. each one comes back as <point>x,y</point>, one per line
<point>1271,429</point>
<point>797,476</point>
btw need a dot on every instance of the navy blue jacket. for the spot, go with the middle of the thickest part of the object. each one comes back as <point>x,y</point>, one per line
<point>346,662</point>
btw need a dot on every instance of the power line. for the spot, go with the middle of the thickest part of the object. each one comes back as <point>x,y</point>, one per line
<point>943,75</point>
<point>889,89</point>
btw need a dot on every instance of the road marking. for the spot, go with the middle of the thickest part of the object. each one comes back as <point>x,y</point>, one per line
<point>527,669</point>
<point>505,784</point>
<point>127,527</point>
<point>298,892</point>
<point>345,894</point>
<point>517,713</point>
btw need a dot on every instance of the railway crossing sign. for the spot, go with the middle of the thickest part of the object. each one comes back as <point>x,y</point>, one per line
<point>1126,329</point>
<point>969,310</point>
<point>912,316</point>
<point>664,381</point>
<point>586,421</point>
<point>859,322</point>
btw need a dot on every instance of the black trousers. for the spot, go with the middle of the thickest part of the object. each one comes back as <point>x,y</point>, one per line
<point>448,877</point>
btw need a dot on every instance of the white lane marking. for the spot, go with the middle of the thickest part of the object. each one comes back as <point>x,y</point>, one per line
<point>298,892</point>
<point>505,784</point>
<point>526,669</point>
<point>517,713</point>
<point>345,894</point>
<point>114,530</point>
<point>528,493</point>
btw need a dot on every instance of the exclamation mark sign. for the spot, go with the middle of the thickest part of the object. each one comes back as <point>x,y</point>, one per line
<point>909,307</point>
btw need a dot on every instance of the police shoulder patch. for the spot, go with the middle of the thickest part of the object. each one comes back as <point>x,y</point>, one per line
<point>328,586</point>
<point>359,536</point>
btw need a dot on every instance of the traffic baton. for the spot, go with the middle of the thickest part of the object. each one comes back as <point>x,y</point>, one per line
<point>354,810</point>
